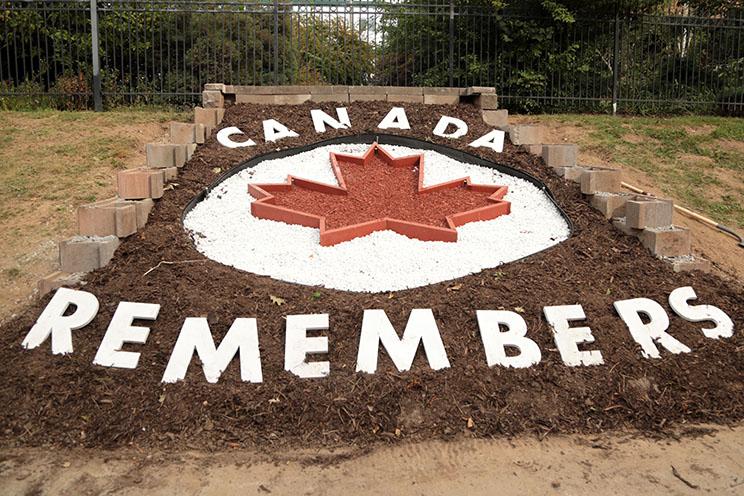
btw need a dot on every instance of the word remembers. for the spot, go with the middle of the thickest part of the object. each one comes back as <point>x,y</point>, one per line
<point>500,330</point>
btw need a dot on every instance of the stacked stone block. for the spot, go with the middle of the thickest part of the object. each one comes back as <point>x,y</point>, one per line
<point>102,224</point>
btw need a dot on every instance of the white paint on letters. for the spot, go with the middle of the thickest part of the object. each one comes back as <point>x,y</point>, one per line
<point>321,119</point>
<point>121,331</point>
<point>196,337</point>
<point>421,327</point>
<point>495,340</point>
<point>700,313</point>
<point>568,338</point>
<point>461,128</point>
<point>647,335</point>
<point>395,119</point>
<point>297,345</point>
<point>223,138</point>
<point>274,131</point>
<point>54,321</point>
<point>493,140</point>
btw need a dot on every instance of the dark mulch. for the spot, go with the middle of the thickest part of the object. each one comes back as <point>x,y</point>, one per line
<point>55,400</point>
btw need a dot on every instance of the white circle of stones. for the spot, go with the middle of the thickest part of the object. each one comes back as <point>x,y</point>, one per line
<point>224,230</point>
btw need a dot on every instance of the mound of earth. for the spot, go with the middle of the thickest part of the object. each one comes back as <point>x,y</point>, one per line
<point>65,400</point>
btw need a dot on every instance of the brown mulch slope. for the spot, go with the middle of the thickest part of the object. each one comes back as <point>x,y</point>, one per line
<point>65,400</point>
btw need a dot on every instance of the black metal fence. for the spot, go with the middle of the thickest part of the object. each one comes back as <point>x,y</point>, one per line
<point>159,51</point>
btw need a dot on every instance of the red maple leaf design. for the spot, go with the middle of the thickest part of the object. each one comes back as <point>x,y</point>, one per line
<point>376,192</point>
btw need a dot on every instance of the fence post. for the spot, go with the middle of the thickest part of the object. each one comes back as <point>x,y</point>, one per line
<point>276,41</point>
<point>616,65</point>
<point>97,97</point>
<point>451,42</point>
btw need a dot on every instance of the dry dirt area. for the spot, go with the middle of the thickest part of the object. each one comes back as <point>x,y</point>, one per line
<point>50,163</point>
<point>576,465</point>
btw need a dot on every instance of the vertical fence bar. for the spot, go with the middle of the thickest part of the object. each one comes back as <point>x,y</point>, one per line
<point>451,42</point>
<point>97,98</point>
<point>616,64</point>
<point>276,41</point>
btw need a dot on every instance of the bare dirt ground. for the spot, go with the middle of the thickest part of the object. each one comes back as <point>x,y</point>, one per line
<point>577,465</point>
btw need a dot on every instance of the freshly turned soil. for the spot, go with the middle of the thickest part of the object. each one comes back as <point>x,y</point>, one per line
<point>378,190</point>
<point>67,401</point>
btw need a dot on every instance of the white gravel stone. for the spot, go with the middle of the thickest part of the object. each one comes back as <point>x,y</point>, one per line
<point>224,230</point>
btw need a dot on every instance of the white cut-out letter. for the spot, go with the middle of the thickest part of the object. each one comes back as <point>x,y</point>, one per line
<point>321,119</point>
<point>700,313</point>
<point>653,332</point>
<point>495,340</point>
<point>223,138</point>
<point>121,331</point>
<point>297,345</point>
<point>461,128</point>
<point>195,336</point>
<point>421,327</point>
<point>568,338</point>
<point>54,321</point>
<point>274,131</point>
<point>395,119</point>
<point>493,140</point>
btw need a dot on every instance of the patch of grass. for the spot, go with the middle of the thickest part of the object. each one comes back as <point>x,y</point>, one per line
<point>697,160</point>
<point>12,273</point>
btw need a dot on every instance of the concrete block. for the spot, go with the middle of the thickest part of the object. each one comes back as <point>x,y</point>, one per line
<point>328,90</point>
<point>403,98</point>
<point>649,212</point>
<point>267,90</point>
<point>596,180</point>
<point>404,90</point>
<point>370,90</point>
<point>487,101</point>
<point>182,132</point>
<point>209,117</point>
<point>56,280</point>
<point>262,99</point>
<point>187,133</point>
<point>108,217</point>
<point>330,97</point>
<point>142,210</point>
<point>441,99</point>
<point>135,184</point>
<point>571,173</point>
<point>190,149</point>
<point>84,254</point>
<point>496,118</point>
<point>690,263</point>
<point>479,90</point>
<point>526,134</point>
<point>291,99</point>
<point>214,87</point>
<point>213,99</point>
<point>364,97</point>
<point>161,155</point>
<point>611,205</point>
<point>563,155</point>
<point>620,224</point>
<point>442,90</point>
<point>170,173</point>
<point>667,241</point>
<point>255,99</point>
<point>534,149</point>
